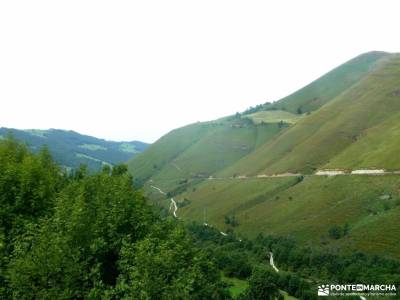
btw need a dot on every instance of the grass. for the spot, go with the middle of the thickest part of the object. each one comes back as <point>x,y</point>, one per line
<point>92,147</point>
<point>274,116</point>
<point>287,297</point>
<point>307,210</point>
<point>81,155</point>
<point>126,147</point>
<point>237,286</point>
<point>231,146</point>
<point>331,85</point>
<point>363,111</point>
<point>199,150</point>
<point>377,147</point>
<point>353,124</point>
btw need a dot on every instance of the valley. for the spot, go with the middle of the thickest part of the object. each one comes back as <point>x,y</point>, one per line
<point>200,150</point>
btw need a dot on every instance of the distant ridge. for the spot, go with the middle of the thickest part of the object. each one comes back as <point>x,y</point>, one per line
<point>70,149</point>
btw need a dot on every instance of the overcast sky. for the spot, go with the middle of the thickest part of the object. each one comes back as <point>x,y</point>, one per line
<point>127,70</point>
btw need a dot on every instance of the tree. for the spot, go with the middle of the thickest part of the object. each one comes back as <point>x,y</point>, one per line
<point>346,229</point>
<point>119,169</point>
<point>165,265</point>
<point>75,252</point>
<point>335,232</point>
<point>262,285</point>
<point>99,240</point>
<point>28,185</point>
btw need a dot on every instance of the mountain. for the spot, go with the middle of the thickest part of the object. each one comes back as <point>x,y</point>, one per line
<point>347,120</point>
<point>335,135</point>
<point>70,149</point>
<point>201,149</point>
<point>224,146</point>
<point>330,85</point>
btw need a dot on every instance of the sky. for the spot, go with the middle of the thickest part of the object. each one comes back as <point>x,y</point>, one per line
<point>134,70</point>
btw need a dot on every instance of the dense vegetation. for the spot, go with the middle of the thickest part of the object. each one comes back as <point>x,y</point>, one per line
<point>93,236</point>
<point>71,149</point>
<point>302,268</point>
<point>81,236</point>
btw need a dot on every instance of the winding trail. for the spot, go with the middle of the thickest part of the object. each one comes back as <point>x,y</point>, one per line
<point>176,166</point>
<point>175,207</point>
<point>173,204</point>
<point>158,189</point>
<point>271,262</point>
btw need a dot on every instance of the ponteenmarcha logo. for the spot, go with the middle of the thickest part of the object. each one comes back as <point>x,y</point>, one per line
<point>357,290</point>
<point>323,290</point>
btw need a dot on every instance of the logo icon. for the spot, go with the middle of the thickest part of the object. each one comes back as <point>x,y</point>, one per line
<point>323,290</point>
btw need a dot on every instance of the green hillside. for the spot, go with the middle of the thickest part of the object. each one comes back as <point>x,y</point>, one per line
<point>199,150</point>
<point>70,149</point>
<point>226,148</point>
<point>273,116</point>
<point>306,210</point>
<point>378,147</point>
<point>330,85</point>
<point>352,123</point>
<point>363,111</point>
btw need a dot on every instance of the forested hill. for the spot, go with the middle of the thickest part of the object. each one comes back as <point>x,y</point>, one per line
<point>70,149</point>
<point>82,236</point>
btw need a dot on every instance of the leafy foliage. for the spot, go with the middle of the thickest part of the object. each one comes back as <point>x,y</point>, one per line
<point>301,268</point>
<point>81,236</point>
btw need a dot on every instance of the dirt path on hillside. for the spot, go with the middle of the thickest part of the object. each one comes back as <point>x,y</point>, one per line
<point>271,262</point>
<point>327,173</point>
<point>174,206</point>
<point>173,203</point>
<point>176,166</point>
<point>159,190</point>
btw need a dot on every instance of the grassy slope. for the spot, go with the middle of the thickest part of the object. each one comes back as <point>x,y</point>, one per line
<point>377,148</point>
<point>273,116</point>
<point>166,149</point>
<point>316,139</point>
<point>306,210</point>
<point>181,153</point>
<point>237,286</point>
<point>329,86</point>
<point>357,128</point>
<point>199,150</point>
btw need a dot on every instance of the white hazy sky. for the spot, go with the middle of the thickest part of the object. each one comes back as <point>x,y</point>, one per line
<point>127,70</point>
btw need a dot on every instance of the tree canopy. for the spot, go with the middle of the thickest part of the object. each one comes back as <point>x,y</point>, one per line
<point>81,236</point>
